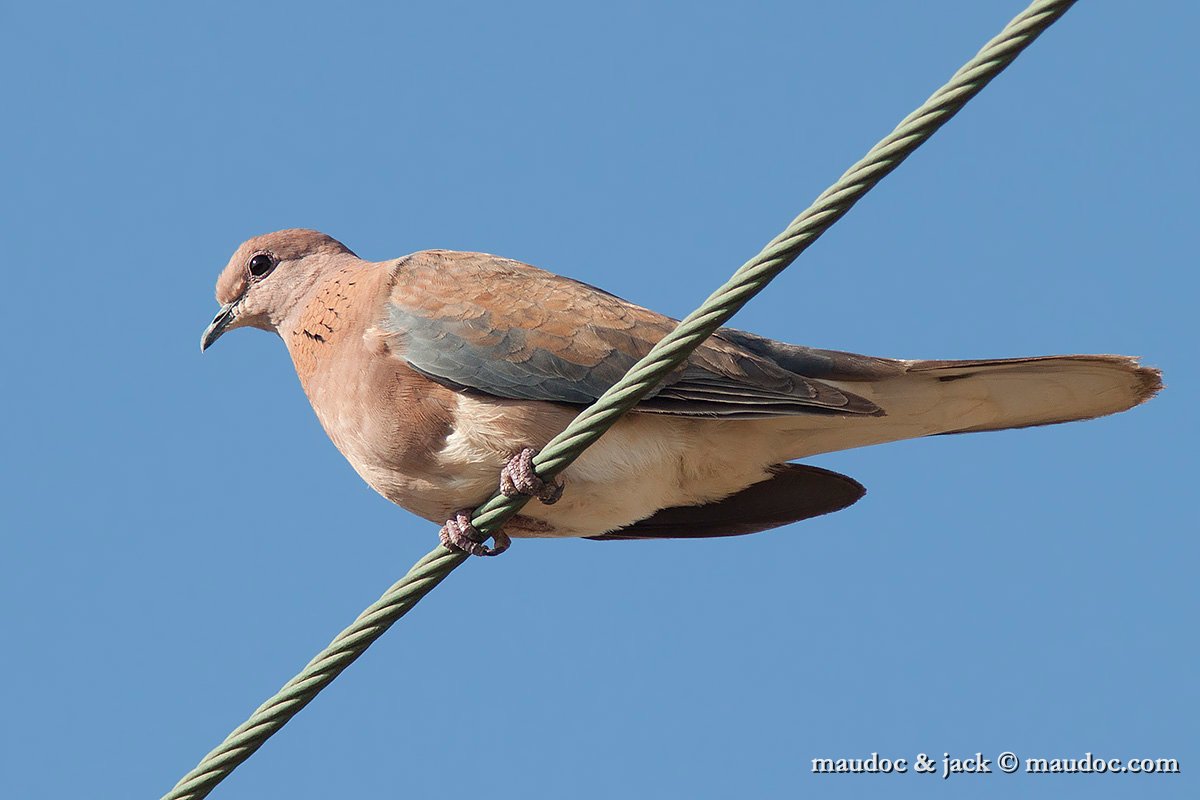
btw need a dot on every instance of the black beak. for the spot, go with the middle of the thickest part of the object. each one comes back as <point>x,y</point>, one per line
<point>220,323</point>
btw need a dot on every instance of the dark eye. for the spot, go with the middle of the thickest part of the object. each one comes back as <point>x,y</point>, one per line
<point>261,264</point>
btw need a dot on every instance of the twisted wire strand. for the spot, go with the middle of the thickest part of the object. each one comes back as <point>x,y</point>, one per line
<point>641,379</point>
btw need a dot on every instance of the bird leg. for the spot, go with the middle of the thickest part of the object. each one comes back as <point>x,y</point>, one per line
<point>518,478</point>
<point>459,534</point>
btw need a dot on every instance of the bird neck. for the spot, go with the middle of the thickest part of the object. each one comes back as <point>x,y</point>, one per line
<point>328,316</point>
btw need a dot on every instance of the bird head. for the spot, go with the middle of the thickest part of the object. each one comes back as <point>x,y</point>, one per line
<point>268,276</point>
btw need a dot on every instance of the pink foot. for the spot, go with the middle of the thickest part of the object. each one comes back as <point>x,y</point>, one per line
<point>459,534</point>
<point>518,478</point>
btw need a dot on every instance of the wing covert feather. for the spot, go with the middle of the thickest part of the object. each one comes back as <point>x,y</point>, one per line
<point>492,325</point>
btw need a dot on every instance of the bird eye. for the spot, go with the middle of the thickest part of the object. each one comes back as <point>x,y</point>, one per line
<point>261,264</point>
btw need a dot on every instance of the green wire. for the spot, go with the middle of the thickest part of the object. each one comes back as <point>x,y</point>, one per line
<point>590,425</point>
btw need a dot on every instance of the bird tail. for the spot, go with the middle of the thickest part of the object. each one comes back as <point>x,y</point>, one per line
<point>922,398</point>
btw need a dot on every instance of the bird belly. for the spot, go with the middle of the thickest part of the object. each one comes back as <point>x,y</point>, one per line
<point>646,462</point>
<point>434,451</point>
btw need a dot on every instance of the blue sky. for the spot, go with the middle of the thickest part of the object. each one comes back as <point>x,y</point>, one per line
<point>179,536</point>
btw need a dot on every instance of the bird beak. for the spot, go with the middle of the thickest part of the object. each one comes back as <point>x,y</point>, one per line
<point>225,317</point>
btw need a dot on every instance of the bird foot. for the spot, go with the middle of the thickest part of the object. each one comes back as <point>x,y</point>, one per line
<point>518,478</point>
<point>459,534</point>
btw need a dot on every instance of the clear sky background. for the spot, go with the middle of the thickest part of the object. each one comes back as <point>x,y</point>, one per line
<point>179,536</point>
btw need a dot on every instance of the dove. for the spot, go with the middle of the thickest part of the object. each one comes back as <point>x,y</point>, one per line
<point>438,375</point>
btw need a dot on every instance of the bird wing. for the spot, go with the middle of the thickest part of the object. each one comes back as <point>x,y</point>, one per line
<point>479,322</point>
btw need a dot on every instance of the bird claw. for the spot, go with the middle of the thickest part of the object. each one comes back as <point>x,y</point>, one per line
<point>459,534</point>
<point>519,478</point>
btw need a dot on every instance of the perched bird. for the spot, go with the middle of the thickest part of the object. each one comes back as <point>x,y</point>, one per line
<point>435,372</point>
